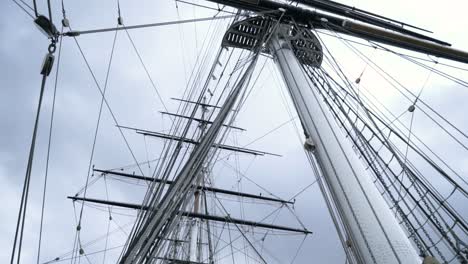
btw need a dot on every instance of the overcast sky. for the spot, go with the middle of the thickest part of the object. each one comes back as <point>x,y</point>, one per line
<point>169,54</point>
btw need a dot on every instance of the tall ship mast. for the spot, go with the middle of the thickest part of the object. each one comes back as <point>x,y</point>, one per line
<point>185,194</point>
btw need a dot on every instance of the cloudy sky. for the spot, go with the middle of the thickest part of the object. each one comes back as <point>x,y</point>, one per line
<point>170,54</point>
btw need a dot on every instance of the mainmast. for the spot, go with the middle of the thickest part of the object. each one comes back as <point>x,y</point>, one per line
<point>374,234</point>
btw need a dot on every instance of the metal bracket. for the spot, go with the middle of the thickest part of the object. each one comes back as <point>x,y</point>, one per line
<point>248,34</point>
<point>304,44</point>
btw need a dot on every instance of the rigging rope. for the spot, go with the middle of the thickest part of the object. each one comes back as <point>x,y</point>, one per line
<point>96,134</point>
<point>219,10</point>
<point>35,8</point>
<point>24,9</point>
<point>48,148</point>
<point>108,223</point>
<point>18,240</point>
<point>410,132</point>
<point>389,77</point>
<point>145,68</point>
<point>429,116</point>
<point>370,45</point>
<point>108,106</point>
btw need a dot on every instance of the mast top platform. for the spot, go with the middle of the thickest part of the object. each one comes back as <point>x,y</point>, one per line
<point>248,33</point>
